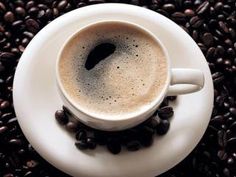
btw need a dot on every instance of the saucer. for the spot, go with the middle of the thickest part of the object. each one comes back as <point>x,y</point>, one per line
<point>36,98</point>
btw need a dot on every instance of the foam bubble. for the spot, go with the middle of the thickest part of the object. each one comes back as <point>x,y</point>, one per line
<point>125,81</point>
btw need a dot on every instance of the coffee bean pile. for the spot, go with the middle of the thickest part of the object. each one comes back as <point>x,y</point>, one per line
<point>132,139</point>
<point>212,24</point>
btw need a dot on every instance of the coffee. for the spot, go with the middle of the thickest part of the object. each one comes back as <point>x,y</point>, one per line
<point>125,81</point>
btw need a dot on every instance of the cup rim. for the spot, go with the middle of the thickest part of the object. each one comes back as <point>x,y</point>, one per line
<point>153,105</point>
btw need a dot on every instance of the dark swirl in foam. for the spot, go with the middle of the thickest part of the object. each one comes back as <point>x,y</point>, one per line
<point>126,81</point>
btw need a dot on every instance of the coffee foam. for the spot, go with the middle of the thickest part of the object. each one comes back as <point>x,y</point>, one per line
<point>132,77</point>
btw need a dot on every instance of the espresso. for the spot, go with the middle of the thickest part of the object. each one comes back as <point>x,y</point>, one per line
<point>124,81</point>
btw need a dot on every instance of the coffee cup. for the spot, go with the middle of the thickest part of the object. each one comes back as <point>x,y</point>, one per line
<point>129,81</point>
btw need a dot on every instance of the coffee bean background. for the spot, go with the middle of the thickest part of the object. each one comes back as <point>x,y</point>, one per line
<point>212,24</point>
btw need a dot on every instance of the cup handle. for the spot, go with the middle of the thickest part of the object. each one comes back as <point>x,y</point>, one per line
<point>185,81</point>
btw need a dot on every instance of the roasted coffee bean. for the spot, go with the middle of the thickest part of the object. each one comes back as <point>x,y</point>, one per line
<point>5,105</point>
<point>81,135</point>
<point>203,8</point>
<point>233,111</point>
<point>20,11</point>
<point>165,112</point>
<point>15,142</point>
<point>153,122</point>
<point>61,5</point>
<point>66,111</point>
<point>168,7</point>
<point>210,52</point>
<point>31,163</point>
<point>223,27</point>
<point>230,161</point>
<point>32,25</point>
<point>81,145</point>
<point>232,142</point>
<point>218,77</point>
<point>208,39</point>
<point>226,172</point>
<point>196,22</point>
<point>3,129</point>
<point>222,155</point>
<point>133,146</point>
<point>8,175</point>
<point>163,127</point>
<point>2,7</point>
<point>222,139</point>
<point>189,12</point>
<point>71,127</point>
<point>61,117</point>
<point>9,17</point>
<point>113,146</point>
<point>146,140</point>
<point>219,119</point>
<point>91,143</point>
<point>178,16</point>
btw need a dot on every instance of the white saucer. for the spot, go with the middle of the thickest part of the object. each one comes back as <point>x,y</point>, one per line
<point>36,98</point>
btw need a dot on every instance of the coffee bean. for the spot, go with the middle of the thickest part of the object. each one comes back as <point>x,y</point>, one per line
<point>81,145</point>
<point>168,7</point>
<point>210,52</point>
<point>220,50</point>
<point>208,39</point>
<point>232,142</point>
<point>15,142</point>
<point>230,161</point>
<point>3,129</point>
<point>4,105</point>
<point>2,7</point>
<point>165,112</point>
<point>223,27</point>
<point>146,140</point>
<point>32,25</point>
<point>153,122</point>
<point>178,16</point>
<point>20,11</point>
<point>222,139</point>
<point>8,175</point>
<point>114,147</point>
<point>233,111</point>
<point>31,163</point>
<point>91,143</point>
<point>195,35</point>
<point>71,127</point>
<point>61,117</point>
<point>196,22</point>
<point>28,174</point>
<point>219,119</point>
<point>81,135</point>
<point>9,17</point>
<point>226,172</point>
<point>133,146</point>
<point>222,155</point>
<point>232,33</point>
<point>203,8</point>
<point>217,77</point>
<point>189,12</point>
<point>163,127</point>
<point>61,5</point>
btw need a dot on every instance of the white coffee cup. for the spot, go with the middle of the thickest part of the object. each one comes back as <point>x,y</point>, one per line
<point>179,81</point>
